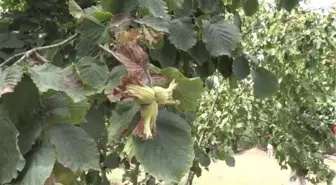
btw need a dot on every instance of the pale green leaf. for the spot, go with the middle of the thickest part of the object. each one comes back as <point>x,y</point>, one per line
<point>75,149</point>
<point>208,6</point>
<point>121,118</point>
<point>11,160</point>
<point>174,4</point>
<point>92,71</point>
<point>159,24</point>
<point>40,166</point>
<point>75,10</point>
<point>188,91</point>
<point>241,68</point>
<point>9,78</point>
<point>220,37</point>
<point>265,83</point>
<point>157,7</point>
<point>182,33</point>
<point>169,155</point>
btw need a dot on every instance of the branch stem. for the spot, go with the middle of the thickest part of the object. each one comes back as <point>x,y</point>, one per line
<point>27,54</point>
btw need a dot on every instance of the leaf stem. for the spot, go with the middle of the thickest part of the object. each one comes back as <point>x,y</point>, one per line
<point>27,54</point>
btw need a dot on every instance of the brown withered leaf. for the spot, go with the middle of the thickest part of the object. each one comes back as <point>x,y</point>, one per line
<point>134,58</point>
<point>158,79</point>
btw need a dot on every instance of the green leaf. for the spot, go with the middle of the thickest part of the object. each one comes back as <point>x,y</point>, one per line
<point>48,76</point>
<point>95,122</point>
<point>30,129</point>
<point>86,48</point>
<point>241,68</point>
<point>289,4</point>
<point>10,40</point>
<point>61,109</point>
<point>265,83</point>
<point>92,71</point>
<point>225,66</point>
<point>182,33</point>
<point>188,91</point>
<point>230,161</point>
<point>75,10</point>
<point>204,159</point>
<point>121,118</point>
<point>114,80</point>
<point>174,4</point>
<point>75,149</point>
<point>169,155</point>
<point>250,6</point>
<point>9,78</point>
<point>166,55</point>
<point>64,176</point>
<point>40,166</point>
<point>199,53</point>
<point>112,161</point>
<point>119,7</point>
<point>157,7</point>
<point>206,69</point>
<point>11,160</point>
<point>91,29</point>
<point>186,9</point>
<point>159,24</point>
<point>208,6</point>
<point>220,37</point>
<point>23,102</point>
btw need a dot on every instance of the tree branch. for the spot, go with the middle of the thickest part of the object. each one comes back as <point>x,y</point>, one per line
<point>27,54</point>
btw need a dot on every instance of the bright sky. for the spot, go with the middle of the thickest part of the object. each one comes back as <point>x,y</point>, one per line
<point>315,4</point>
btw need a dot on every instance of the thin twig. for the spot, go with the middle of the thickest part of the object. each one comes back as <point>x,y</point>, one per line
<point>27,54</point>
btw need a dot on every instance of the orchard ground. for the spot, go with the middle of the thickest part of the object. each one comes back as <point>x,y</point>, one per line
<point>253,167</point>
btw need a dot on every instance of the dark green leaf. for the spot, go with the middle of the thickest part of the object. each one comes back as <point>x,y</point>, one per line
<point>23,102</point>
<point>241,68</point>
<point>182,33</point>
<point>121,118</point>
<point>204,159</point>
<point>95,122</point>
<point>159,24</point>
<point>289,4</point>
<point>220,37</point>
<point>40,166</point>
<point>230,161</point>
<point>112,161</point>
<point>86,47</point>
<point>61,109</point>
<point>157,7</point>
<point>237,20</point>
<point>10,40</point>
<point>92,71</point>
<point>166,55</point>
<point>11,160</point>
<point>188,91</point>
<point>169,155</point>
<point>118,7</point>
<point>114,80</point>
<point>75,149</point>
<point>9,78</point>
<point>250,6</point>
<point>29,129</point>
<point>225,66</point>
<point>199,53</point>
<point>265,83</point>
<point>207,69</point>
<point>208,6</point>
<point>91,29</point>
